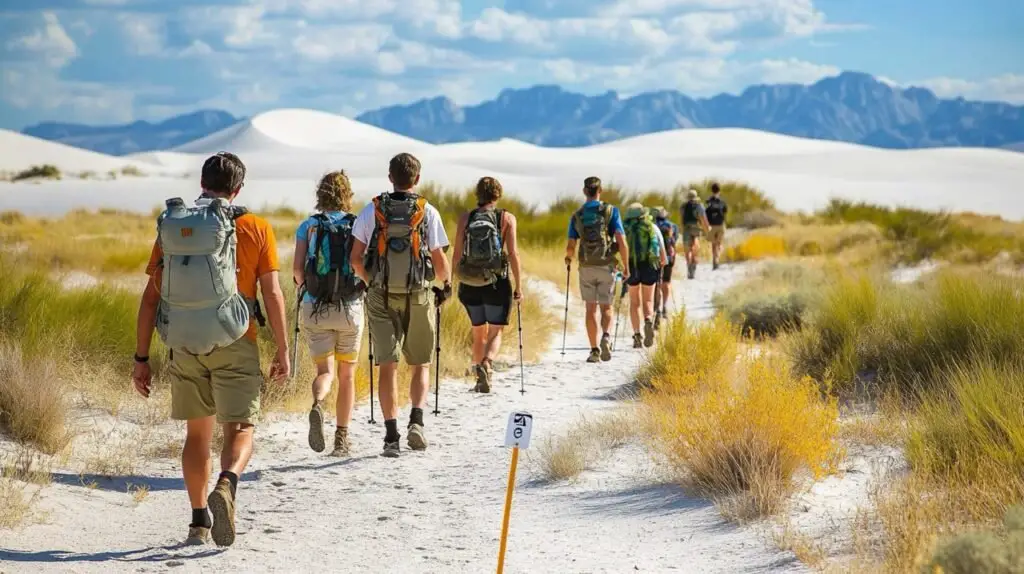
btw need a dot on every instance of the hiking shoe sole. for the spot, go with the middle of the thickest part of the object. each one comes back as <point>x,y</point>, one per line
<point>391,450</point>
<point>317,441</point>
<point>482,384</point>
<point>221,507</point>
<point>416,438</point>
<point>606,350</point>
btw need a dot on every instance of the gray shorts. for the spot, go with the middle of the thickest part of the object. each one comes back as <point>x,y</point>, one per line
<point>597,284</point>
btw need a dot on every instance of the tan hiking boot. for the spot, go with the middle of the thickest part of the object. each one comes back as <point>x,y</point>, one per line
<point>606,348</point>
<point>222,505</point>
<point>638,341</point>
<point>648,333</point>
<point>483,379</point>
<point>197,536</point>
<point>595,356</point>
<point>317,441</point>
<point>342,447</point>
<point>416,438</point>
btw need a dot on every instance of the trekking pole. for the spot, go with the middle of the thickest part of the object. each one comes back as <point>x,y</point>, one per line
<point>370,348</point>
<point>522,369</point>
<point>437,364</point>
<point>565,323</point>
<point>295,339</point>
<point>618,309</point>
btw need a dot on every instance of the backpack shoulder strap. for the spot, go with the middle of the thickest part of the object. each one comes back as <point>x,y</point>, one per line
<point>418,223</point>
<point>381,225</point>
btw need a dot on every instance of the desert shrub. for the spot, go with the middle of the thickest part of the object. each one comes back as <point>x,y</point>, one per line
<point>87,174</point>
<point>583,445</point>
<point>33,409</point>
<point>756,246</point>
<point>759,219</point>
<point>689,357</point>
<point>46,171</point>
<point>985,552</point>
<point>131,171</point>
<point>775,300</point>
<point>747,440</point>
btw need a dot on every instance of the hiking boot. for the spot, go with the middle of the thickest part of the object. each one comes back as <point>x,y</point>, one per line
<point>197,536</point>
<point>714,266</point>
<point>391,449</point>
<point>416,438</point>
<point>595,356</point>
<point>648,333</point>
<point>691,271</point>
<point>657,321</point>
<point>342,447</point>
<point>317,442</point>
<point>222,506</point>
<point>606,348</point>
<point>638,341</point>
<point>483,379</point>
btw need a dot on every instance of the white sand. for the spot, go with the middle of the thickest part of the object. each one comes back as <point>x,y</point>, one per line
<point>438,511</point>
<point>287,150</point>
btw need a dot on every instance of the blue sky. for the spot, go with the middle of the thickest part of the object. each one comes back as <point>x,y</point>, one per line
<point>115,61</point>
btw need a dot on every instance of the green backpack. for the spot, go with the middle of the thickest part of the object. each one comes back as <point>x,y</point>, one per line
<point>200,307</point>
<point>643,244</point>
<point>596,245</point>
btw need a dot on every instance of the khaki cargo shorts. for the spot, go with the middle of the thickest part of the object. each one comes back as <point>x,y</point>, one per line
<point>334,331</point>
<point>406,323</point>
<point>597,284</point>
<point>225,383</point>
<point>717,234</point>
<point>691,233</point>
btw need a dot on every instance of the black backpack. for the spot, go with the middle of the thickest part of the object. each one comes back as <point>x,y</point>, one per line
<point>715,210</point>
<point>329,277</point>
<point>690,212</point>
<point>483,259</point>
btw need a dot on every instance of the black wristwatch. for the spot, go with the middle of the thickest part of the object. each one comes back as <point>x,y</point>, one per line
<point>139,359</point>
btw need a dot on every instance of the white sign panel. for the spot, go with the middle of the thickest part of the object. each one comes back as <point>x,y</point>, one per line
<point>520,425</point>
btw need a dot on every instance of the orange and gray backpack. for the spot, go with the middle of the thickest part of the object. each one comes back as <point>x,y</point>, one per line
<point>398,258</point>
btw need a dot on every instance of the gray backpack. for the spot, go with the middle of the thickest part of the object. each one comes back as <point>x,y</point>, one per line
<point>483,260</point>
<point>200,309</point>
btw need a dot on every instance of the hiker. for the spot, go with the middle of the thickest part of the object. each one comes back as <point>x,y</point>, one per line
<point>646,259</point>
<point>694,223</point>
<point>716,210</point>
<point>204,270</point>
<point>406,240</point>
<point>670,237</point>
<point>331,305</point>
<point>597,228</point>
<point>487,247</point>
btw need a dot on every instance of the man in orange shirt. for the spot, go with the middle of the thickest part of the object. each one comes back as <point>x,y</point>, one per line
<point>217,383</point>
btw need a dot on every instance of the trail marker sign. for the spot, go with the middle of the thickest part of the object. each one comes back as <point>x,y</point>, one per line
<point>517,436</point>
<point>517,433</point>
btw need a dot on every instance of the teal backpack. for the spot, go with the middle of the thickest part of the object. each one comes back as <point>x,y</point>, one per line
<point>643,244</point>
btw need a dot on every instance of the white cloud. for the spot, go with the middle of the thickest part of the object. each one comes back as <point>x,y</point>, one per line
<point>1003,88</point>
<point>26,88</point>
<point>792,71</point>
<point>340,43</point>
<point>144,32</point>
<point>196,49</point>
<point>51,43</point>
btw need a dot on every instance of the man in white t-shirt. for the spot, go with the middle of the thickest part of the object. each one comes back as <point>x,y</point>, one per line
<point>406,241</point>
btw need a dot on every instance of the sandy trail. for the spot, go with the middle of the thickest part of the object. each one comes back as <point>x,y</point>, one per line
<point>437,511</point>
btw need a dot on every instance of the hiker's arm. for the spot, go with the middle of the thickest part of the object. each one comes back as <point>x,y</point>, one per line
<point>513,253</point>
<point>620,239</point>
<point>459,231</point>
<point>570,250</point>
<point>442,271</point>
<point>298,262</point>
<point>273,297</point>
<point>146,322</point>
<point>704,222</point>
<point>356,258</point>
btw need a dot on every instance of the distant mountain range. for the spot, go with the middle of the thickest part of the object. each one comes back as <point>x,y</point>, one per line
<point>851,107</point>
<point>138,136</point>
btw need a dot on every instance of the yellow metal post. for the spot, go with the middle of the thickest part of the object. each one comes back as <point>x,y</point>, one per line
<point>508,508</point>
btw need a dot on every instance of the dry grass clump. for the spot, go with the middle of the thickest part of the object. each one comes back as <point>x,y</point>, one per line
<point>757,246</point>
<point>45,171</point>
<point>775,300</point>
<point>33,406</point>
<point>860,242</point>
<point>585,444</point>
<point>743,444</point>
<point>688,358</point>
<point>22,475</point>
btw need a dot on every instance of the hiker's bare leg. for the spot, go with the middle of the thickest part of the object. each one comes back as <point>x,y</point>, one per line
<point>666,292</point>
<point>591,312</point>
<point>195,459</point>
<point>606,322</point>
<point>237,447</point>
<point>346,392</point>
<point>324,378</point>
<point>493,341</point>
<point>479,343</point>
<point>647,295</point>
<point>419,386</point>
<point>634,307</point>
<point>388,390</point>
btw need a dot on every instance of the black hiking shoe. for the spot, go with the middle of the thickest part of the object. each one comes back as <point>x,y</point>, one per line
<point>638,341</point>
<point>317,442</point>
<point>595,356</point>
<point>657,320</point>
<point>391,449</point>
<point>483,379</point>
<point>691,271</point>
<point>648,333</point>
<point>606,348</point>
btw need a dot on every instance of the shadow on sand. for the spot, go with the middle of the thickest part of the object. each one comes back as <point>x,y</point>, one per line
<point>151,554</point>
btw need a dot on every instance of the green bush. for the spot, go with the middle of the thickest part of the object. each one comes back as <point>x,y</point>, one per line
<point>983,552</point>
<point>46,171</point>
<point>772,302</point>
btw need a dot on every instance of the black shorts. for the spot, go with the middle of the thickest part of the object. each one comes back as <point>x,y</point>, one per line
<point>644,274</point>
<point>487,305</point>
<point>666,271</point>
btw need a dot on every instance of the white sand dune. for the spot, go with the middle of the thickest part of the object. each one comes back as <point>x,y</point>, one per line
<point>432,512</point>
<point>20,151</point>
<point>286,151</point>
